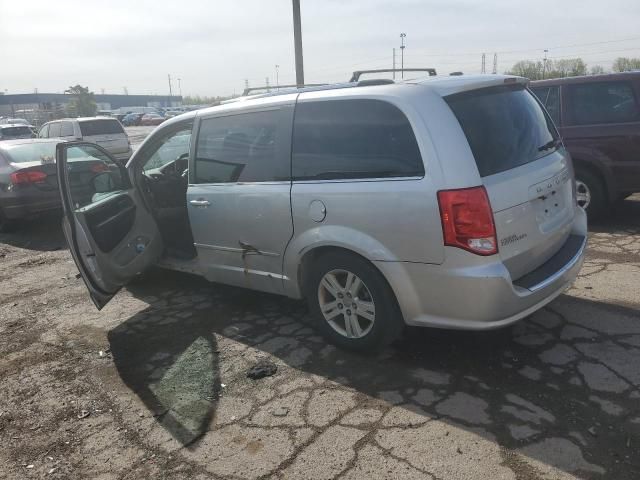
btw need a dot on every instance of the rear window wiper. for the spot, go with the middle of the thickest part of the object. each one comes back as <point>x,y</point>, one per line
<point>549,145</point>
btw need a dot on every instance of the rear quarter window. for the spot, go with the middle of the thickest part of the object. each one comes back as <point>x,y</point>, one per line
<point>351,139</point>
<point>505,126</point>
<point>602,102</point>
<point>100,127</point>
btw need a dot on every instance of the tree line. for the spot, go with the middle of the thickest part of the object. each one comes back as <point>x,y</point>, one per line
<point>569,67</point>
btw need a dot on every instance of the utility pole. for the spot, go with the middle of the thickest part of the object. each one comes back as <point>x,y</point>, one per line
<point>266,82</point>
<point>297,40</point>
<point>277,77</point>
<point>402,35</point>
<point>495,63</point>
<point>394,63</point>
<point>179,87</point>
<point>170,92</point>
<point>544,63</point>
<point>484,65</point>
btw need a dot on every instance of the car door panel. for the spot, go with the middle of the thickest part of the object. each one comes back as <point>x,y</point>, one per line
<point>111,235</point>
<point>241,228</point>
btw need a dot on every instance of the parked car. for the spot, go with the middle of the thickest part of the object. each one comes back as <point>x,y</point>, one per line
<point>15,121</point>
<point>132,119</point>
<point>29,181</point>
<point>12,131</point>
<point>106,132</point>
<point>599,119</point>
<point>151,119</point>
<point>443,202</point>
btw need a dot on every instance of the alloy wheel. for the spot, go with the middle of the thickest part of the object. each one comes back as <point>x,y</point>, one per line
<point>583,194</point>
<point>346,303</point>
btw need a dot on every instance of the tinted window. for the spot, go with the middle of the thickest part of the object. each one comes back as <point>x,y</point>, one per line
<point>602,102</point>
<point>242,148</point>
<point>337,139</point>
<point>42,152</point>
<point>54,130</point>
<point>12,132</point>
<point>66,129</point>
<point>92,176</point>
<point>171,149</point>
<point>44,131</point>
<point>100,127</point>
<point>505,127</point>
<point>550,98</point>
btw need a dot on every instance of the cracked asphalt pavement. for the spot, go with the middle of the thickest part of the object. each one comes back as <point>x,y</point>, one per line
<point>155,385</point>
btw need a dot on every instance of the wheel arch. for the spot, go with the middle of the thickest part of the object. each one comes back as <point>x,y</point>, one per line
<point>598,169</point>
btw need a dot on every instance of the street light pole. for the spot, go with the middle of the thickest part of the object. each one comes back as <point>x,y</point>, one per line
<point>180,87</point>
<point>394,63</point>
<point>277,78</point>
<point>544,63</point>
<point>402,35</point>
<point>297,40</point>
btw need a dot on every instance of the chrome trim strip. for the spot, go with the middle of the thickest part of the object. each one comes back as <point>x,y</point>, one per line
<point>549,280</point>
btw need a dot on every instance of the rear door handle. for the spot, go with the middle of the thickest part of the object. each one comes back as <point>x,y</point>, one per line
<point>201,202</point>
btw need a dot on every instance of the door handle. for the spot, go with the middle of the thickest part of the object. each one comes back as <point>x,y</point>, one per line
<point>201,202</point>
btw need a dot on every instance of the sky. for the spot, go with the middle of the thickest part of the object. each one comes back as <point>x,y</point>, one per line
<point>212,46</point>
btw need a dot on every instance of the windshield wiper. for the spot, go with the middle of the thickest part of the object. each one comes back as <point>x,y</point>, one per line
<point>550,144</point>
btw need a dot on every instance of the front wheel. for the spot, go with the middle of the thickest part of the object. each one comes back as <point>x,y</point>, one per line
<point>353,305</point>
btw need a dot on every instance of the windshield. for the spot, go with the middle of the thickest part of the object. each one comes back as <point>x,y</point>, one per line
<point>44,152</point>
<point>505,126</point>
<point>15,132</point>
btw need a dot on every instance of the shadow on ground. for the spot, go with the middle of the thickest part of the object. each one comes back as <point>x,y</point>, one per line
<point>520,387</point>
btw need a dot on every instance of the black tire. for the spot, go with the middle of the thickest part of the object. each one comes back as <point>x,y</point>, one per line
<point>6,225</point>
<point>387,325</point>
<point>598,204</point>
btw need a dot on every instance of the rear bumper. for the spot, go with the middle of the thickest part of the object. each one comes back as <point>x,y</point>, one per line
<point>27,202</point>
<point>461,295</point>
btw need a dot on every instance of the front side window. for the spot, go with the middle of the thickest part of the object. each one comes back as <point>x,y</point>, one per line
<point>602,102</point>
<point>248,147</point>
<point>92,176</point>
<point>44,132</point>
<point>171,153</point>
<point>505,127</point>
<point>350,139</point>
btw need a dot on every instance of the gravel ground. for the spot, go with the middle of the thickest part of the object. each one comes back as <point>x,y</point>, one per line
<point>155,385</point>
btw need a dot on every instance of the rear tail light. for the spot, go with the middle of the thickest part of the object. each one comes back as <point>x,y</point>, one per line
<point>29,176</point>
<point>467,220</point>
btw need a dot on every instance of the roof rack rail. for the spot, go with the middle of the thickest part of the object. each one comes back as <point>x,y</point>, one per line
<point>269,88</point>
<point>356,75</point>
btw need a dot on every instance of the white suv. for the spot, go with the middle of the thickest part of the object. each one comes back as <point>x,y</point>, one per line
<point>104,131</point>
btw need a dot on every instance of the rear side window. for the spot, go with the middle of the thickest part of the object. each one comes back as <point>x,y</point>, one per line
<point>66,129</point>
<point>602,102</point>
<point>250,147</point>
<point>100,127</point>
<point>550,98</point>
<point>44,132</point>
<point>348,139</point>
<point>505,127</point>
<point>54,130</point>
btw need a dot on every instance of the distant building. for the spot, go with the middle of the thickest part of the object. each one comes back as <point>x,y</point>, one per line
<point>41,107</point>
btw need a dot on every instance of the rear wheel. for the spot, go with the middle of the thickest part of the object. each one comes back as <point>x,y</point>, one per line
<point>7,225</point>
<point>352,303</point>
<point>590,194</point>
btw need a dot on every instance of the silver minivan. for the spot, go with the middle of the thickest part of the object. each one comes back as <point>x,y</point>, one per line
<point>440,202</point>
<point>104,131</point>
